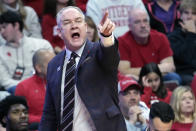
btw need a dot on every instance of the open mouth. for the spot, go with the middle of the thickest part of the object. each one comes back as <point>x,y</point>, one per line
<point>75,35</point>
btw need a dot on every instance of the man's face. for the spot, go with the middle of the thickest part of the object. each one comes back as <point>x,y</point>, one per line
<point>188,14</point>
<point>157,125</point>
<point>129,98</point>
<point>72,29</point>
<point>8,31</point>
<point>139,24</point>
<point>17,118</point>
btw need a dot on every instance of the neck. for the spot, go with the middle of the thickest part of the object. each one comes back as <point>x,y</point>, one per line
<point>165,4</point>
<point>18,38</point>
<point>141,41</point>
<point>188,118</point>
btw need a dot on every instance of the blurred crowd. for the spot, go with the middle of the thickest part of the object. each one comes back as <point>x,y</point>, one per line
<point>157,69</point>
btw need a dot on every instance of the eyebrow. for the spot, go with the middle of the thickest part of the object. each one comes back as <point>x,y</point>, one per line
<point>74,19</point>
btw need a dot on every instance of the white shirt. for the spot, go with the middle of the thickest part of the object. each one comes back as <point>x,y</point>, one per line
<point>81,117</point>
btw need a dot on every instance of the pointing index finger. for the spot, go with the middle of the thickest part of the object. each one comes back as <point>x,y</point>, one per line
<point>104,17</point>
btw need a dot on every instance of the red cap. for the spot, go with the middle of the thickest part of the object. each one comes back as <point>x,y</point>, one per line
<point>127,82</point>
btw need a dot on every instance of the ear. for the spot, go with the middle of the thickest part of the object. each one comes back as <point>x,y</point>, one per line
<point>130,27</point>
<point>38,68</point>
<point>59,31</point>
<point>17,26</point>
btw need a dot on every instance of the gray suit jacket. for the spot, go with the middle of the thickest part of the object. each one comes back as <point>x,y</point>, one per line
<point>96,83</point>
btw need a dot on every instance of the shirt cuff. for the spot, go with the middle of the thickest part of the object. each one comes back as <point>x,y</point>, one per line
<point>107,41</point>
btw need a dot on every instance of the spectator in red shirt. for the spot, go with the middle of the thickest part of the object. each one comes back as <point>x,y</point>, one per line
<point>141,45</point>
<point>184,106</point>
<point>33,88</point>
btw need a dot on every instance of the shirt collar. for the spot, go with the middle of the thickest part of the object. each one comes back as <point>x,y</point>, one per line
<point>78,52</point>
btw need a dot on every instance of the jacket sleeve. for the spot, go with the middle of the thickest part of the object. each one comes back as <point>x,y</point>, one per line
<point>49,118</point>
<point>109,56</point>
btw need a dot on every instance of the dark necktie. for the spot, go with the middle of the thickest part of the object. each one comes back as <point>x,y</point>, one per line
<point>68,104</point>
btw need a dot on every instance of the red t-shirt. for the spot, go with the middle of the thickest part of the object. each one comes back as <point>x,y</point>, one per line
<point>37,5</point>
<point>157,48</point>
<point>150,97</point>
<point>49,33</point>
<point>181,126</point>
<point>33,89</point>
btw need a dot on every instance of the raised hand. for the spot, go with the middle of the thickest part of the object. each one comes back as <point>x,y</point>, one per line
<point>106,26</point>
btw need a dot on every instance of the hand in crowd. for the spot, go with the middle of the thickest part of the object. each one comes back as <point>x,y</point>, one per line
<point>106,26</point>
<point>145,81</point>
<point>189,25</point>
<point>135,115</point>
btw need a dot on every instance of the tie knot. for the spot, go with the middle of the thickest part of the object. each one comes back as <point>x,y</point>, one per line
<point>73,56</point>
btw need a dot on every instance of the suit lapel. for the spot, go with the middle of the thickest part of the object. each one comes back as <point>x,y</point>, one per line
<point>85,53</point>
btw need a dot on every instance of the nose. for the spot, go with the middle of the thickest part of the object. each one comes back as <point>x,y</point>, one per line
<point>23,114</point>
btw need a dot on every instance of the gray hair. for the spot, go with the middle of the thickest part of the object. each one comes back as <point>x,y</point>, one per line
<point>59,14</point>
<point>136,8</point>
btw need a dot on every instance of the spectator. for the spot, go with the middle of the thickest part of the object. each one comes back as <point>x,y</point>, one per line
<point>163,14</point>
<point>161,117</point>
<point>135,112</point>
<point>183,41</point>
<point>92,33</point>
<point>14,113</point>
<point>34,88</point>
<point>141,45</point>
<point>184,106</point>
<point>49,25</point>
<point>32,26</point>
<point>118,12</point>
<point>152,82</point>
<point>37,5</point>
<point>16,54</point>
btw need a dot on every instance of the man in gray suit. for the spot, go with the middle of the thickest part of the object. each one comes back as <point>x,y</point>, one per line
<point>95,79</point>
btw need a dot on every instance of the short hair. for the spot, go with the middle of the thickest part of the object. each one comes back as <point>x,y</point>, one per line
<point>6,103</point>
<point>163,111</point>
<point>12,17</point>
<point>39,56</point>
<point>131,10</point>
<point>176,99</point>
<point>58,16</point>
<point>188,4</point>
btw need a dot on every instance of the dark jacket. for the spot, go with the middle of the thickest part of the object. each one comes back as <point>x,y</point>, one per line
<point>156,23</point>
<point>96,82</point>
<point>183,45</point>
